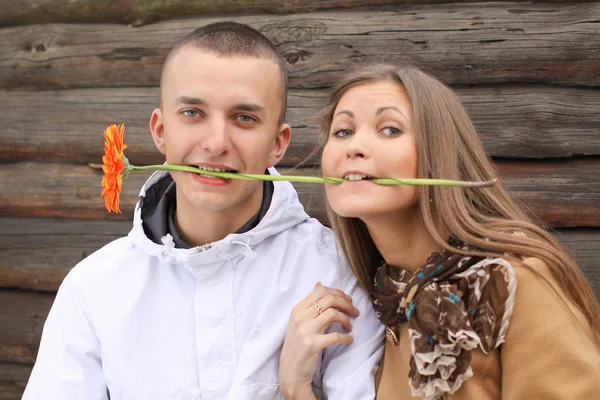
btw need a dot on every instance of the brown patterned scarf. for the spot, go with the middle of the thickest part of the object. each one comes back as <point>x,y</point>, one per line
<point>453,304</point>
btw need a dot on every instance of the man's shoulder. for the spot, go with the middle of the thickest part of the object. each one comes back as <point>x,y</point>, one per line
<point>313,235</point>
<point>313,248</point>
<point>107,260</point>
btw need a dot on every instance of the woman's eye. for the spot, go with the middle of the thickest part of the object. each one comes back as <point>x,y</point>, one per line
<point>342,132</point>
<point>391,131</point>
<point>191,113</point>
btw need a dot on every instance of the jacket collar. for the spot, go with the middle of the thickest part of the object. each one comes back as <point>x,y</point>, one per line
<point>285,212</point>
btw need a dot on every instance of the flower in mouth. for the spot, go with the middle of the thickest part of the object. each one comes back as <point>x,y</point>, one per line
<point>357,177</point>
<point>113,166</point>
<point>116,167</point>
<point>212,169</point>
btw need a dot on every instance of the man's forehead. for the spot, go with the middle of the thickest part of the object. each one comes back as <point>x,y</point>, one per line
<point>188,54</point>
<point>191,73</point>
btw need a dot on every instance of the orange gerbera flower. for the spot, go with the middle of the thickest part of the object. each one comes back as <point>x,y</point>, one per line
<point>114,163</point>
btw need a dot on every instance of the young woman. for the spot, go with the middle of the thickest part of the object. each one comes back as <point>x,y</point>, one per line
<point>478,301</point>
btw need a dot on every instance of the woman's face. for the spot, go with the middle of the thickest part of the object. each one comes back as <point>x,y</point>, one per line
<point>371,136</point>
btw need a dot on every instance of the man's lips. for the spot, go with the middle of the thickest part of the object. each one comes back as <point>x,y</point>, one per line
<point>211,168</point>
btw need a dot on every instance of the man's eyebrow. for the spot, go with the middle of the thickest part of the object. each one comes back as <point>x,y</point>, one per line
<point>382,109</point>
<point>248,107</point>
<point>190,100</point>
<point>349,113</point>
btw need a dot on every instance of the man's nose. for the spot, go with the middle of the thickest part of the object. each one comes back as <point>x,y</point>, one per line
<point>217,139</point>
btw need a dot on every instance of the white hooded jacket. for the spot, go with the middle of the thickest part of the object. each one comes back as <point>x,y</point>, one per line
<point>140,320</point>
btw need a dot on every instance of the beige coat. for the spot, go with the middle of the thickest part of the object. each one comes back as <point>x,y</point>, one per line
<point>549,354</point>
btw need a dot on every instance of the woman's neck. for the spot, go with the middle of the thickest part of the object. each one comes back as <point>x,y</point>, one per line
<point>402,239</point>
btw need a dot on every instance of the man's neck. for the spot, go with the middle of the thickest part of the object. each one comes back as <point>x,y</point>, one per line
<point>402,239</point>
<point>200,226</point>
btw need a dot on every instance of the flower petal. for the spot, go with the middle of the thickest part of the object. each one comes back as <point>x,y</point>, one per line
<point>113,166</point>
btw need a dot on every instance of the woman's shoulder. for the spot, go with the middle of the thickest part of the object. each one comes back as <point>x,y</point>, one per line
<point>541,301</point>
<point>550,348</point>
<point>536,283</point>
<point>534,264</point>
<point>533,271</point>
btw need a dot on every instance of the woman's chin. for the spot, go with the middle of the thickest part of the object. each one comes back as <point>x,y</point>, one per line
<point>353,211</point>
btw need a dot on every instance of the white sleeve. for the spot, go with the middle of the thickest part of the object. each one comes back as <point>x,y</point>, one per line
<point>349,370</point>
<point>68,364</point>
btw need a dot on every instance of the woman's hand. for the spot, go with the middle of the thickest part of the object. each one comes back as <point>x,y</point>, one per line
<point>306,337</point>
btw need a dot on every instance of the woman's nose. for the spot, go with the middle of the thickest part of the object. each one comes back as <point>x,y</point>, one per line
<point>356,146</point>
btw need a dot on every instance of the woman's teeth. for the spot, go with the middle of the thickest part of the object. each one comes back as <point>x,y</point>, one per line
<point>357,177</point>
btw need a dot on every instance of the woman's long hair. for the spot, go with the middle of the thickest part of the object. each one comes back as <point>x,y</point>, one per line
<point>448,147</point>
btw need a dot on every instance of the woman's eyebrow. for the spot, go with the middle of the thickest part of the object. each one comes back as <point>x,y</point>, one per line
<point>382,109</point>
<point>349,113</point>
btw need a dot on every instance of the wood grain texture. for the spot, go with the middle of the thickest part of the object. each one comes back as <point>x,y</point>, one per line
<point>584,247</point>
<point>527,72</point>
<point>12,390</point>
<point>563,193</point>
<point>140,12</point>
<point>37,253</point>
<point>515,121</point>
<point>13,378</point>
<point>462,43</point>
<point>24,312</point>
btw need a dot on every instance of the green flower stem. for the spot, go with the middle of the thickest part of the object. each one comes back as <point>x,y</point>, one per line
<point>310,179</point>
<point>433,182</point>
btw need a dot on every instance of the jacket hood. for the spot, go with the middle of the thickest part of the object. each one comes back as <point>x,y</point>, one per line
<point>285,211</point>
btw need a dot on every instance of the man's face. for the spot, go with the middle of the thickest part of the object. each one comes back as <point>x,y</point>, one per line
<point>222,113</point>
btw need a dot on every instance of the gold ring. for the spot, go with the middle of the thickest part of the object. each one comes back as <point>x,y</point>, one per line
<point>318,308</point>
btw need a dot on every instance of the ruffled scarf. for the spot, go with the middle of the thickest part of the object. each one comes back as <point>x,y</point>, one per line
<point>453,304</point>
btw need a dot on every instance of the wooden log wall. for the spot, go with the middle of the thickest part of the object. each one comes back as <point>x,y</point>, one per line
<point>528,73</point>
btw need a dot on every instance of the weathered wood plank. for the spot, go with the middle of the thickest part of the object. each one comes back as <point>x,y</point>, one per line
<point>23,312</point>
<point>22,315</point>
<point>70,123</point>
<point>13,373</point>
<point>13,390</point>
<point>522,121</point>
<point>462,43</point>
<point>37,253</point>
<point>584,247</point>
<point>142,12</point>
<point>13,378</point>
<point>562,193</point>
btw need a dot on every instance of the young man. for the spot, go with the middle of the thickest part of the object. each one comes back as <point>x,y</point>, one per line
<point>195,302</point>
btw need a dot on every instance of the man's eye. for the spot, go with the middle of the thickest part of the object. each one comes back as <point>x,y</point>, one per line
<point>342,132</point>
<point>191,113</point>
<point>246,118</point>
<point>391,131</point>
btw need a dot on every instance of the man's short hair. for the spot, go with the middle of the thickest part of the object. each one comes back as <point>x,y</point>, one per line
<point>234,39</point>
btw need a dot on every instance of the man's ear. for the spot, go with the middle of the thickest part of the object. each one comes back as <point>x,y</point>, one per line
<point>158,130</point>
<point>282,141</point>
